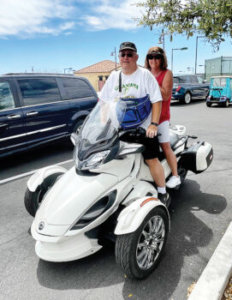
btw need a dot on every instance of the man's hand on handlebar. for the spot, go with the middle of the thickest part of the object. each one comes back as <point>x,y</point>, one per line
<point>151,131</point>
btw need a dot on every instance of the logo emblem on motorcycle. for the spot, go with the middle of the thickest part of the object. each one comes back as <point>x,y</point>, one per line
<point>41,225</point>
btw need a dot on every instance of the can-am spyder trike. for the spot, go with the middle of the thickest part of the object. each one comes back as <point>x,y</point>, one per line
<point>108,194</point>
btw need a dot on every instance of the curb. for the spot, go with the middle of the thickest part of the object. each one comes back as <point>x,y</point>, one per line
<point>214,278</point>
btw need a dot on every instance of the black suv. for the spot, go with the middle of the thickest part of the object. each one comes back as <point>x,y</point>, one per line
<point>189,87</point>
<point>40,108</point>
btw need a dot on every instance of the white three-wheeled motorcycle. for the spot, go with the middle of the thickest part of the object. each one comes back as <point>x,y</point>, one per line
<point>108,194</point>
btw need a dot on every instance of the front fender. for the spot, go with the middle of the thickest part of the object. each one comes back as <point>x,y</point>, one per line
<point>38,177</point>
<point>133,215</point>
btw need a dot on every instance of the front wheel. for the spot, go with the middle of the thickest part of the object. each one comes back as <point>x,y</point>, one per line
<point>77,126</point>
<point>139,252</point>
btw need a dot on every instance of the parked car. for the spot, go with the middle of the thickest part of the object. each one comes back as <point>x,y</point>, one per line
<point>40,108</point>
<point>220,91</point>
<point>189,87</point>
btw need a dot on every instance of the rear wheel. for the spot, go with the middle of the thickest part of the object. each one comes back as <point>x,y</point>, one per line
<point>32,200</point>
<point>139,252</point>
<point>182,172</point>
<point>187,98</point>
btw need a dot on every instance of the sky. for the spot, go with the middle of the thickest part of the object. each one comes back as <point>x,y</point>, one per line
<point>64,35</point>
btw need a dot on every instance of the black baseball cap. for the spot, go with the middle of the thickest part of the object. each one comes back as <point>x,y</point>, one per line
<point>128,46</point>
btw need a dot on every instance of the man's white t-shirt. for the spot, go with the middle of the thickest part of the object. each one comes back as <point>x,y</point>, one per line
<point>136,85</point>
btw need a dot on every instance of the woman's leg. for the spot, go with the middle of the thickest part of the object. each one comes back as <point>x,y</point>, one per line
<point>170,156</point>
<point>164,139</point>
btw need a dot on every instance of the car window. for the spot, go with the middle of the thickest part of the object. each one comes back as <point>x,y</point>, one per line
<point>38,91</point>
<point>200,79</point>
<point>176,80</point>
<point>6,97</point>
<point>193,79</point>
<point>76,88</point>
<point>219,82</point>
<point>181,79</point>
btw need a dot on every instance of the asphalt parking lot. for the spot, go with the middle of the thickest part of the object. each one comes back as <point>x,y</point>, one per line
<point>200,214</point>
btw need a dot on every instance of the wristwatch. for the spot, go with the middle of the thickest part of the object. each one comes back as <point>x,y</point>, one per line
<point>154,123</point>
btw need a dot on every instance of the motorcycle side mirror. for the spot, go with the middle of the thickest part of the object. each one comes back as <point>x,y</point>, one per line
<point>74,138</point>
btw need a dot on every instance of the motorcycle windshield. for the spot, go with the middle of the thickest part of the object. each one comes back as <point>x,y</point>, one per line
<point>100,128</point>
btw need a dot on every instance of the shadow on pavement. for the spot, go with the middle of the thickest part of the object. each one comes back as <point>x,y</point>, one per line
<point>187,234</point>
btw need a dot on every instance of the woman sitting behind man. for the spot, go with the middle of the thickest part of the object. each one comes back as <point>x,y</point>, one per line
<point>156,62</point>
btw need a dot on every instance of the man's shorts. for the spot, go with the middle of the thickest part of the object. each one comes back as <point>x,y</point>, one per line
<point>152,149</point>
<point>163,131</point>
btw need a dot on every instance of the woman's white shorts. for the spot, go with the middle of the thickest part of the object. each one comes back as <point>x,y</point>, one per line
<point>163,132</point>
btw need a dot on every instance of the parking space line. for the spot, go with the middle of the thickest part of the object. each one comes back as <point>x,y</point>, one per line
<point>29,173</point>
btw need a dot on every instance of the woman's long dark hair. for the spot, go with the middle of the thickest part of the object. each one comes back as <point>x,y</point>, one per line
<point>157,50</point>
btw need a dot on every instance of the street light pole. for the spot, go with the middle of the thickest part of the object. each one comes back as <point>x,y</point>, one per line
<point>199,36</point>
<point>114,53</point>
<point>183,48</point>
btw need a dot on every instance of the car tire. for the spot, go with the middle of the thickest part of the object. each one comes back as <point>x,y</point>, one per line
<point>139,252</point>
<point>187,98</point>
<point>32,200</point>
<point>208,104</point>
<point>227,104</point>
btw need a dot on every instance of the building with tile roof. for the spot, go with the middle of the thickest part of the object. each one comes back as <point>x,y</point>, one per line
<point>98,73</point>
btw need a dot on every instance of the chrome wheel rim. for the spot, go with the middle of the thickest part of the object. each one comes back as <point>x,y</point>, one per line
<point>187,98</point>
<point>150,242</point>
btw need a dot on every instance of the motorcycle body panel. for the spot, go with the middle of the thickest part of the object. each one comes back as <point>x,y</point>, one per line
<point>133,215</point>
<point>38,177</point>
<point>73,248</point>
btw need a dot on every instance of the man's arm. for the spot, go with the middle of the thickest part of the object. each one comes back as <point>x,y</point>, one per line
<point>155,115</point>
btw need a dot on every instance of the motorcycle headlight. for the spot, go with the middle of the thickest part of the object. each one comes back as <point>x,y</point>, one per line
<point>93,161</point>
<point>96,210</point>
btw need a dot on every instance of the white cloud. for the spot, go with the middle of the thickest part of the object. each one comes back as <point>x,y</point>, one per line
<point>108,14</point>
<point>27,18</point>
<point>22,18</point>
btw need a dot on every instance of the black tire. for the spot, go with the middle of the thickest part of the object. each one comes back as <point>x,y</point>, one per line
<point>187,98</point>
<point>127,251</point>
<point>182,172</point>
<point>77,127</point>
<point>208,104</point>
<point>32,200</point>
<point>227,104</point>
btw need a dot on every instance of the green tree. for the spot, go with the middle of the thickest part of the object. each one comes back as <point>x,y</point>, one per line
<point>211,18</point>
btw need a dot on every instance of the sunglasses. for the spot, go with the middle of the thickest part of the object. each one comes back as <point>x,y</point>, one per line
<point>126,54</point>
<point>154,56</point>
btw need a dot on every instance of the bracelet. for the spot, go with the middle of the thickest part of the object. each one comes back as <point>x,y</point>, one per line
<point>154,123</point>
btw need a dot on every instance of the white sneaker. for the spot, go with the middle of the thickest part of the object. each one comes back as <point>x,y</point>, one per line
<point>173,182</point>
